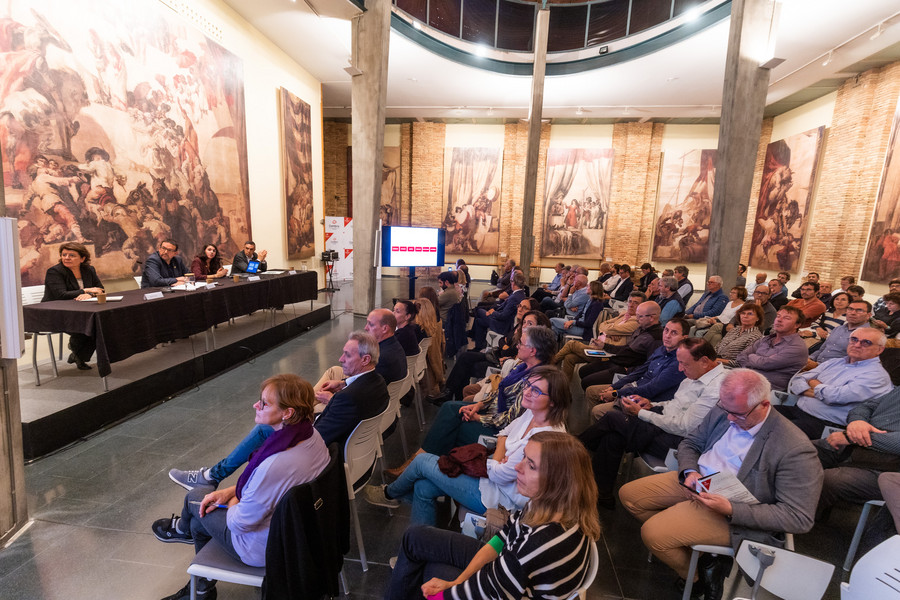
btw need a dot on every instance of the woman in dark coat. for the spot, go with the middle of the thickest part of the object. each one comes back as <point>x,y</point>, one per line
<point>73,278</point>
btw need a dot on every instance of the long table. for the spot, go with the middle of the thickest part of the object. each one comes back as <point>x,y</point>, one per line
<point>135,325</point>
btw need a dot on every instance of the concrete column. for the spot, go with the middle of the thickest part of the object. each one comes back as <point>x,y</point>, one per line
<point>371,37</point>
<point>743,101</point>
<point>526,255</point>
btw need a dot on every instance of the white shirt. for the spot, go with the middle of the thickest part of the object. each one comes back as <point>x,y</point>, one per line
<point>693,399</point>
<point>729,452</point>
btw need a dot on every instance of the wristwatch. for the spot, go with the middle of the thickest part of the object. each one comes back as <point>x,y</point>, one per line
<point>615,394</point>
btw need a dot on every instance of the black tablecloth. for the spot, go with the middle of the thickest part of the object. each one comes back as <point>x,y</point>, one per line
<point>135,325</point>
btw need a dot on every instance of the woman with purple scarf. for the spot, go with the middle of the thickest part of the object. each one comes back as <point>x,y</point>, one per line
<point>292,455</point>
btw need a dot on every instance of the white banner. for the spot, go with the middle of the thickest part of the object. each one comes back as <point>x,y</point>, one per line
<point>339,237</point>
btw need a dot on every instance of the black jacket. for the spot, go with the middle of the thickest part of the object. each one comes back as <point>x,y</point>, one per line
<point>308,537</point>
<point>60,282</point>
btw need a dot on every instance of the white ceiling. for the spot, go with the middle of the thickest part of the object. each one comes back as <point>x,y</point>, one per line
<point>683,80</point>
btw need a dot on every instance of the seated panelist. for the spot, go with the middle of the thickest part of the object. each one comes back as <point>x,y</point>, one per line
<point>73,278</point>
<point>242,259</point>
<point>208,263</point>
<point>164,267</point>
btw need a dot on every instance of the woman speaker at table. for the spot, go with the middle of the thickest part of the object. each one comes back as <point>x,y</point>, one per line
<point>208,263</point>
<point>73,278</point>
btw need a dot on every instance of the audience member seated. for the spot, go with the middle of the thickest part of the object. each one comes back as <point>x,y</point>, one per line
<point>408,333</point>
<point>617,330</point>
<point>618,297</point>
<point>685,287</point>
<point>743,330</point>
<point>853,459</point>
<point>434,358</point>
<point>503,283</point>
<point>811,307</point>
<point>835,345</point>
<point>819,331</point>
<point>495,405</point>
<point>825,294</point>
<point>609,276</point>
<point>744,438</point>
<point>500,318</point>
<point>464,280</point>
<point>293,453</point>
<point>645,339</point>
<point>658,427</point>
<point>578,297</point>
<point>783,278</point>
<point>208,263</point>
<point>242,259</point>
<point>710,304</point>
<point>473,363</point>
<point>780,354</point>
<point>741,279</point>
<point>544,548</point>
<point>551,289</point>
<point>73,278</point>
<point>648,274</point>
<point>582,323</point>
<point>893,287</point>
<point>653,290</point>
<point>450,294</point>
<point>830,390</point>
<point>428,292</point>
<point>363,395</point>
<point>163,267</point>
<point>888,317</point>
<point>760,280</point>
<point>761,296</point>
<point>811,277</point>
<point>857,292</point>
<point>657,379</point>
<point>736,298</point>
<point>671,304</point>
<point>776,294</point>
<point>545,402</point>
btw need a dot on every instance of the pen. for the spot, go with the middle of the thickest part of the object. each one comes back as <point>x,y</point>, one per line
<point>216,505</point>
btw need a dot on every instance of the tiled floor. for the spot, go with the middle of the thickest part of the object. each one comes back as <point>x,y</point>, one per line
<point>93,503</point>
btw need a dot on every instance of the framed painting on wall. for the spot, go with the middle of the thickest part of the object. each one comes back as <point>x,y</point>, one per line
<point>296,136</point>
<point>882,262</point>
<point>576,202</point>
<point>681,227</point>
<point>472,179</point>
<point>122,126</point>
<point>784,197</point>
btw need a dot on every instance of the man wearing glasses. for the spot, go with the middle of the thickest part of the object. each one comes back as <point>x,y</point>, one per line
<point>829,391</point>
<point>761,297</point>
<point>780,354</point>
<point>742,437</point>
<point>164,267</point>
<point>835,346</point>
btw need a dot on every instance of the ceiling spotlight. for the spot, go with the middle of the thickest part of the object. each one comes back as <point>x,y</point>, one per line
<point>480,50</point>
<point>417,25</point>
<point>579,111</point>
<point>828,58</point>
<point>877,33</point>
<point>490,111</point>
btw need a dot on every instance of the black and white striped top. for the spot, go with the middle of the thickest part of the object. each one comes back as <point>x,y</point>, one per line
<point>547,561</point>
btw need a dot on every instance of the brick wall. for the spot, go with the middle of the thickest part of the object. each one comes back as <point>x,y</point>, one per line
<point>334,184</point>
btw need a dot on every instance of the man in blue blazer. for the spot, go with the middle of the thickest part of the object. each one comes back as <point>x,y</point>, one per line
<point>711,303</point>
<point>502,317</point>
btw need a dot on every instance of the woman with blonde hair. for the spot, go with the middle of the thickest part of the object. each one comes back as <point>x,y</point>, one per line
<point>293,454</point>
<point>427,320</point>
<point>543,551</point>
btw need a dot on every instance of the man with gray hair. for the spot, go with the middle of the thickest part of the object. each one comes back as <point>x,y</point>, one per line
<point>710,304</point>
<point>741,438</point>
<point>671,304</point>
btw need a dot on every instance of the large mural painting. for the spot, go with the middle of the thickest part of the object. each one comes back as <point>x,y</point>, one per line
<point>121,125</point>
<point>298,186</point>
<point>681,228</point>
<point>882,262</point>
<point>784,201</point>
<point>472,196</point>
<point>576,205</point>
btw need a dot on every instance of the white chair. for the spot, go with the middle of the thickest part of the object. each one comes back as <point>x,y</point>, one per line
<point>715,551</point>
<point>493,338</point>
<point>783,572</point>
<point>33,294</point>
<point>227,270</point>
<point>360,453</point>
<point>396,390</point>
<point>876,575</point>
<point>137,280</point>
<point>589,575</point>
<point>857,534</point>
<point>421,366</point>
<point>212,562</point>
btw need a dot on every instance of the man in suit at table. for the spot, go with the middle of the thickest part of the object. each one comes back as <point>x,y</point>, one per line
<point>242,259</point>
<point>741,436</point>
<point>164,267</point>
<point>362,395</point>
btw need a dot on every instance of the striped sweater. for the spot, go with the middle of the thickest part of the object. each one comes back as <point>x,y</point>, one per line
<point>547,561</point>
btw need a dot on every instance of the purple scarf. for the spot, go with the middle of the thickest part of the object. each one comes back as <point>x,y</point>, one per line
<point>518,373</point>
<point>286,437</point>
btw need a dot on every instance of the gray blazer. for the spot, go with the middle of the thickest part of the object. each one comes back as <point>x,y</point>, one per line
<point>781,469</point>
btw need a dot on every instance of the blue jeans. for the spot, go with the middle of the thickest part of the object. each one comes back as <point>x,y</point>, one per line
<point>422,482</point>
<point>428,552</point>
<point>559,326</point>
<point>213,526</point>
<point>241,452</point>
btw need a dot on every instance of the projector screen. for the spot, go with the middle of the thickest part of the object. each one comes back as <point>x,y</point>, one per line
<point>412,247</point>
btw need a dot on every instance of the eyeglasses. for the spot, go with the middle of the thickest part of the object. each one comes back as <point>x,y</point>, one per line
<point>530,388</point>
<point>737,415</point>
<point>639,315</point>
<point>856,310</point>
<point>169,249</point>
<point>863,343</point>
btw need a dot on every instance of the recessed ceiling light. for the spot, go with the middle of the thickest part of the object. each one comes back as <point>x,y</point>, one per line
<point>480,50</point>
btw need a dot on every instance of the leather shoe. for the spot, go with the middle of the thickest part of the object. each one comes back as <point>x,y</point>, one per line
<point>712,571</point>
<point>440,398</point>
<point>696,590</point>
<point>606,502</point>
